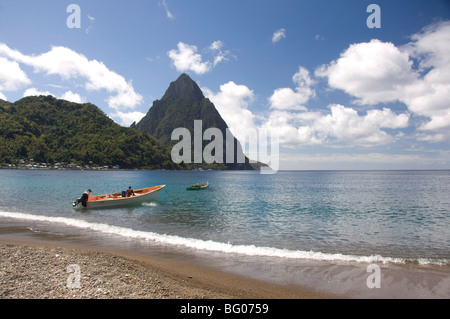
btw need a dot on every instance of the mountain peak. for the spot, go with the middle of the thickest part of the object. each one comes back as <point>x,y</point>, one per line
<point>183,104</point>
<point>184,87</point>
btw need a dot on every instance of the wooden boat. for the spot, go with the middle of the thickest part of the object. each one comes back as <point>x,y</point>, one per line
<point>119,199</point>
<point>199,186</point>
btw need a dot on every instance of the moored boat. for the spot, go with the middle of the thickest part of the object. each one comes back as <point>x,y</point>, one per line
<point>118,199</point>
<point>199,186</point>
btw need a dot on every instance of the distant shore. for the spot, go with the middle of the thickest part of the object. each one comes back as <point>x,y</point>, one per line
<point>40,270</point>
<point>104,168</point>
<point>75,168</point>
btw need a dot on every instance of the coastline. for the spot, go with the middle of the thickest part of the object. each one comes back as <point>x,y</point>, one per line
<point>39,270</point>
<point>407,269</point>
<point>34,263</point>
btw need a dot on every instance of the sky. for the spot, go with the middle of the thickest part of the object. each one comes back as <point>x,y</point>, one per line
<point>348,84</point>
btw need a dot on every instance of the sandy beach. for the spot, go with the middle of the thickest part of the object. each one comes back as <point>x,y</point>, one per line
<point>38,270</point>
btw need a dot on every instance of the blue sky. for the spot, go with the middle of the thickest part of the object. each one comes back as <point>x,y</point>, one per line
<point>341,95</point>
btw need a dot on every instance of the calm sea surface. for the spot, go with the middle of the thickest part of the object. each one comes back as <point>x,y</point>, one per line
<point>392,216</point>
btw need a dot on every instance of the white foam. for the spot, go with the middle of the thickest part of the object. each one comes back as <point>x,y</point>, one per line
<point>208,245</point>
<point>150,204</point>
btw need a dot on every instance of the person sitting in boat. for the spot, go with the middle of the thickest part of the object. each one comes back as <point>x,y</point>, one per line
<point>129,192</point>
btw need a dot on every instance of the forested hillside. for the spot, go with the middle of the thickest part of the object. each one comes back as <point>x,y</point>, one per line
<point>50,130</point>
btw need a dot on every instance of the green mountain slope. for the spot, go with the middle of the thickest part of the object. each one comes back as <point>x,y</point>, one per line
<point>181,105</point>
<point>50,130</point>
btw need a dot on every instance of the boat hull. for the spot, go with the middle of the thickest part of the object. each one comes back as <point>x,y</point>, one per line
<point>197,187</point>
<point>116,200</point>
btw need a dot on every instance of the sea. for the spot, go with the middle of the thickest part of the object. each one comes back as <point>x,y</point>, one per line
<point>323,230</point>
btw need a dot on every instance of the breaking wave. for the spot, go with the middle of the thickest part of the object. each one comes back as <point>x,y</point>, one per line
<point>212,246</point>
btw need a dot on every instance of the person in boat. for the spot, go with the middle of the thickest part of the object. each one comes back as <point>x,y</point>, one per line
<point>129,192</point>
<point>84,198</point>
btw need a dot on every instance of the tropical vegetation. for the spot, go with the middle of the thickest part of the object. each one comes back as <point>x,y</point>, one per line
<point>50,130</point>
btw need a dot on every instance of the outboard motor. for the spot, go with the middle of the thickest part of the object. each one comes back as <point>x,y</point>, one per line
<point>83,199</point>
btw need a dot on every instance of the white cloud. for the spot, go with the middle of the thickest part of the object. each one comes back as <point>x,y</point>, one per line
<point>373,72</point>
<point>346,125</point>
<point>278,35</point>
<point>430,95</point>
<point>91,25</point>
<point>153,59</point>
<point>36,92</point>
<point>297,126</point>
<point>126,119</point>
<point>126,96</point>
<point>186,58</point>
<point>216,45</point>
<point>220,55</point>
<point>69,64</point>
<point>72,97</point>
<point>288,99</point>
<point>68,96</point>
<point>289,133</point>
<point>219,58</point>
<point>342,126</point>
<point>432,45</point>
<point>232,102</point>
<point>3,97</point>
<point>378,72</point>
<point>11,75</point>
<point>168,13</point>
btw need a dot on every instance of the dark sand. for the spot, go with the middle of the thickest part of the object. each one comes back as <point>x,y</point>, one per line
<point>39,270</point>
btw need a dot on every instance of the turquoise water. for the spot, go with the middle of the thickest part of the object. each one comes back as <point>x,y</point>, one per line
<point>400,216</point>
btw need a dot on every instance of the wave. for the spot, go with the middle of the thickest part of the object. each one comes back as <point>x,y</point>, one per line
<point>212,246</point>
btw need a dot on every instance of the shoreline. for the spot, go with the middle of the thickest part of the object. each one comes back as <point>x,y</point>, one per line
<point>38,270</point>
<point>33,265</point>
<point>223,170</point>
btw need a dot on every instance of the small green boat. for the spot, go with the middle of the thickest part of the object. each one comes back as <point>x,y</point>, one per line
<point>197,187</point>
